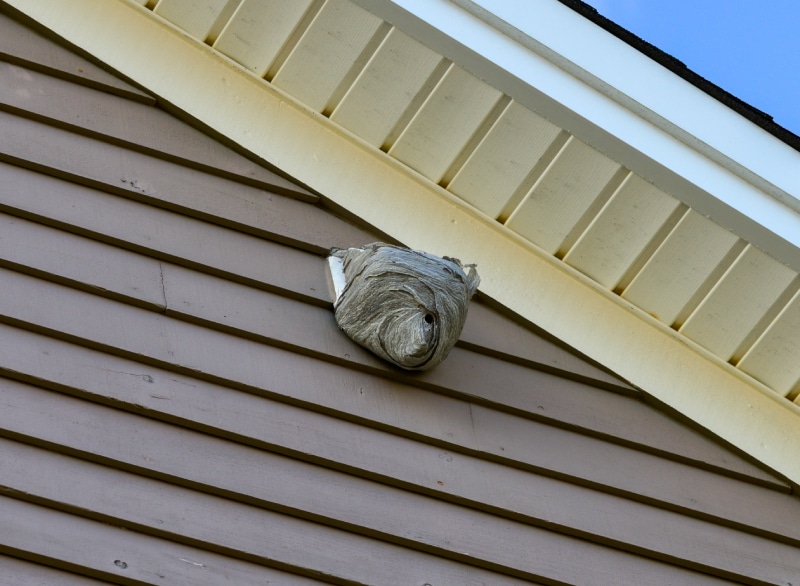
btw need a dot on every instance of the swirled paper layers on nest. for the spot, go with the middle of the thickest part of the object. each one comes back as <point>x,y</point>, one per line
<point>406,306</point>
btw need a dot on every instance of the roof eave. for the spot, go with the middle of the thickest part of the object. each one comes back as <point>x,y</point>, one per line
<point>624,104</point>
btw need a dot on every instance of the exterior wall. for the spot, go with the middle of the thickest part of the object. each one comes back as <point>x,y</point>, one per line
<point>179,407</point>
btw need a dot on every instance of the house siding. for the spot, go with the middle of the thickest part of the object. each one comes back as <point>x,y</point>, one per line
<point>179,407</point>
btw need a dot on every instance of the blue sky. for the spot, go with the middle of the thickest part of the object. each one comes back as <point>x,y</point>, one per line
<point>750,48</point>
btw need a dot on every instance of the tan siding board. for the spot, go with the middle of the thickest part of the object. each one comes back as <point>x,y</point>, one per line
<point>296,431</point>
<point>444,124</point>
<point>22,46</point>
<point>651,432</point>
<point>17,572</point>
<point>281,322</point>
<point>325,550</point>
<point>174,187</point>
<point>360,504</point>
<point>140,127</point>
<point>490,332</point>
<point>265,317</point>
<point>654,481</point>
<point>317,438</point>
<point>369,400</point>
<point>328,50</point>
<point>262,535</point>
<point>258,30</point>
<point>80,262</point>
<point>243,310</point>
<point>390,82</point>
<point>287,377</point>
<point>93,547</point>
<point>163,234</point>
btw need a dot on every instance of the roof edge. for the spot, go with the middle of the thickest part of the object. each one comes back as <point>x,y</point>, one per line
<point>619,69</point>
<point>625,105</point>
<point>678,67</point>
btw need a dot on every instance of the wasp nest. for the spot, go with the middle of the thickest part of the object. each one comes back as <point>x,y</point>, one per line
<point>406,306</point>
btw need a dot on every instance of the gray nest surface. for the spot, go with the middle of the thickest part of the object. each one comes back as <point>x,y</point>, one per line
<point>406,306</point>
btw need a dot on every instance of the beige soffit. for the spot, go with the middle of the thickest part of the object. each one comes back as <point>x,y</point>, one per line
<point>604,243</point>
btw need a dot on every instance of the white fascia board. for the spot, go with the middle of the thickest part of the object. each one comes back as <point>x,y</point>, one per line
<point>612,96</point>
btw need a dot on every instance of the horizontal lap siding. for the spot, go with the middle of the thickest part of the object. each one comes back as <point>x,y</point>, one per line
<point>291,429</point>
<point>272,484</point>
<point>20,45</point>
<point>116,170</point>
<point>176,394</point>
<point>417,465</point>
<point>135,127</point>
<point>23,573</point>
<point>119,555</point>
<point>278,321</point>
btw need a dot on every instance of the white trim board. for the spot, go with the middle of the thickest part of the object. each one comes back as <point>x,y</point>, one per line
<point>611,96</point>
<point>397,201</point>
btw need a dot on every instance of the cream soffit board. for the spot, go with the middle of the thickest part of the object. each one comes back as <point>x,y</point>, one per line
<point>580,76</point>
<point>516,270</point>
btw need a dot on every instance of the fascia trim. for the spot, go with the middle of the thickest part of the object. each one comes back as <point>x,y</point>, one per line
<point>611,96</point>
